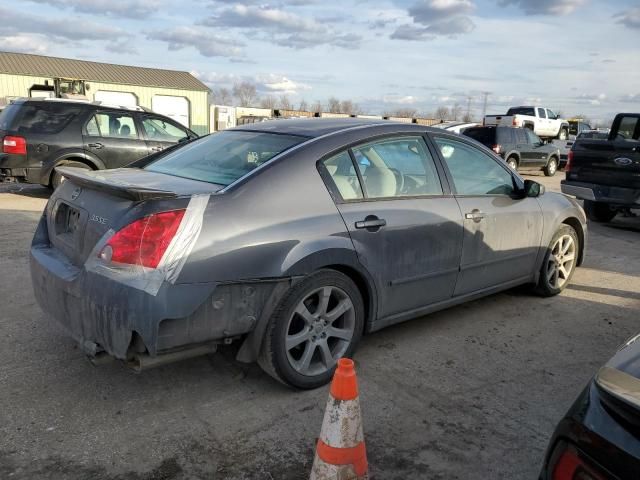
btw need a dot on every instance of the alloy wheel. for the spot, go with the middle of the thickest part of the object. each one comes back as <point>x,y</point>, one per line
<point>320,330</point>
<point>561,261</point>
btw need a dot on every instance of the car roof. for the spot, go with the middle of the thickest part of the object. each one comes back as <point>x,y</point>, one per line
<point>317,127</point>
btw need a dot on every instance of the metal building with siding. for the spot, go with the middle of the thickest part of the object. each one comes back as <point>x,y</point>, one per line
<point>176,94</point>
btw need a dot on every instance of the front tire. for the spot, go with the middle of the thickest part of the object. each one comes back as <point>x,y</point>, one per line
<point>563,134</point>
<point>513,163</point>
<point>318,321</point>
<point>559,263</point>
<point>552,167</point>
<point>598,211</point>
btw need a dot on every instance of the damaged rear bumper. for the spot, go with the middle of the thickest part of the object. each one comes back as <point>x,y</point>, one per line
<point>104,315</point>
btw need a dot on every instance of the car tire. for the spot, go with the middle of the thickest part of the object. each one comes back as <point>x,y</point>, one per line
<point>299,348</point>
<point>559,263</point>
<point>598,211</point>
<point>512,162</point>
<point>552,167</point>
<point>57,179</point>
<point>563,134</point>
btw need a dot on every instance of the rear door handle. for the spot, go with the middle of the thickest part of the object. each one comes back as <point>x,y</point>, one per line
<point>475,215</point>
<point>371,223</point>
<point>96,145</point>
<point>157,149</point>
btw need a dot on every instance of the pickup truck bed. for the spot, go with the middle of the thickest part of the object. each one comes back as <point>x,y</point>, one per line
<point>606,174</point>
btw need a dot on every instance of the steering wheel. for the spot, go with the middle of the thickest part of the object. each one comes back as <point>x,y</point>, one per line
<point>399,180</point>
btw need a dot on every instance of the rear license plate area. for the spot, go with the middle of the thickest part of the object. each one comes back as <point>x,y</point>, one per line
<point>68,222</point>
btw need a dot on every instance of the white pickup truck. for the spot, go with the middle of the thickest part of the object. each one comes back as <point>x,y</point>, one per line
<point>542,121</point>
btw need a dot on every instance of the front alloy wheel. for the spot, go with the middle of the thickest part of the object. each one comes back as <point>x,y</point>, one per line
<point>318,321</point>
<point>560,262</point>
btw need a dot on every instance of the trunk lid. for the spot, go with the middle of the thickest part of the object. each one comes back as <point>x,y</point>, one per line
<point>88,204</point>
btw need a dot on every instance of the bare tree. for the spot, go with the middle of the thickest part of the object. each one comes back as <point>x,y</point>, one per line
<point>317,107</point>
<point>284,103</point>
<point>467,118</point>
<point>303,105</point>
<point>333,105</point>
<point>268,102</point>
<point>246,93</point>
<point>442,113</point>
<point>402,112</point>
<point>349,107</point>
<point>222,96</point>
<point>456,112</point>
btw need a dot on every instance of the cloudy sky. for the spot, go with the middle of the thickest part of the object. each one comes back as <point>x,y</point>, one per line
<point>577,56</point>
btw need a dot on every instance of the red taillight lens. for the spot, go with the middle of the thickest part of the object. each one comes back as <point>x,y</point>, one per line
<point>571,466</point>
<point>15,145</point>
<point>567,166</point>
<point>496,148</point>
<point>144,241</point>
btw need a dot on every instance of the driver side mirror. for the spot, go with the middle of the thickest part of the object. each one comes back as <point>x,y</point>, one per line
<point>532,189</point>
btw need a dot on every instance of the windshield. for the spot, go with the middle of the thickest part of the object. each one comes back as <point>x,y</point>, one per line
<point>224,157</point>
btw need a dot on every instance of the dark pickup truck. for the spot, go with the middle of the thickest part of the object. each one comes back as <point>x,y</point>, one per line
<point>606,173</point>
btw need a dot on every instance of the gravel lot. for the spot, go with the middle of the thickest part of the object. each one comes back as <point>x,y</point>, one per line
<point>471,392</point>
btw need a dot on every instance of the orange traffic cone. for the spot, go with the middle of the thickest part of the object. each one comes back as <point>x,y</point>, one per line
<point>340,453</point>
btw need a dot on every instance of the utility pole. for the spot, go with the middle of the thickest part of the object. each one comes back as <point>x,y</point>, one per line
<point>485,96</point>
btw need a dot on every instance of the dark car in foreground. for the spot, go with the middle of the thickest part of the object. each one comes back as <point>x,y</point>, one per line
<point>294,238</point>
<point>599,437</point>
<point>520,147</point>
<point>41,134</point>
<point>606,173</point>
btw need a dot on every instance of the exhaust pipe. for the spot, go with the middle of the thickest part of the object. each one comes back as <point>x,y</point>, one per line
<point>144,361</point>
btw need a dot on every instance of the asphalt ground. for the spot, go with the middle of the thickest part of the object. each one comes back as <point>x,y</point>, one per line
<point>472,392</point>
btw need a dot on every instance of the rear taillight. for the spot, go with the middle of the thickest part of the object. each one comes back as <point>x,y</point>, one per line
<point>144,241</point>
<point>567,166</point>
<point>514,122</point>
<point>15,145</point>
<point>571,465</point>
<point>496,148</point>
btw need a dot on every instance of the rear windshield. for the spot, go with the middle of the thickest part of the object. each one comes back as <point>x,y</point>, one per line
<point>485,136</point>
<point>43,119</point>
<point>222,158</point>
<point>521,111</point>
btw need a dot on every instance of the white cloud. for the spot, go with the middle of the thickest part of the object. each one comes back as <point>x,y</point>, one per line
<point>433,18</point>
<point>545,7</point>
<point>205,41</point>
<point>400,99</point>
<point>629,18</point>
<point>428,12</point>
<point>24,43</point>
<point>111,8</point>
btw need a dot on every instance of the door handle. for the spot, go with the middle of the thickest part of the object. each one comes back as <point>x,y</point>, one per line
<point>371,223</point>
<point>95,145</point>
<point>157,149</point>
<point>475,215</point>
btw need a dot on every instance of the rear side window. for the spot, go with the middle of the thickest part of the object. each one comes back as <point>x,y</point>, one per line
<point>485,136</point>
<point>400,167</point>
<point>506,136</point>
<point>521,135</point>
<point>38,119</point>
<point>522,111</point>
<point>343,175</point>
<point>112,124</point>
<point>628,129</point>
<point>224,157</point>
<point>542,113</point>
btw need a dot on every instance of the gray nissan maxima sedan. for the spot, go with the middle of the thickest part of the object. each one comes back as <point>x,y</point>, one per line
<point>295,238</point>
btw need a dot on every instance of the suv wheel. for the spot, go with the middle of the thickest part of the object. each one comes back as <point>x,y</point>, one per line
<point>559,263</point>
<point>57,179</point>
<point>598,211</point>
<point>319,320</point>
<point>563,134</point>
<point>513,163</point>
<point>552,167</point>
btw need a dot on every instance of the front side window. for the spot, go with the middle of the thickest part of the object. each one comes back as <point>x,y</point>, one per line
<point>160,130</point>
<point>473,171</point>
<point>224,157</point>
<point>550,114</point>
<point>115,125</point>
<point>398,167</point>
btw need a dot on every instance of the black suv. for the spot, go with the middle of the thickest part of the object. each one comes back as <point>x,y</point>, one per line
<point>41,134</point>
<point>520,147</point>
